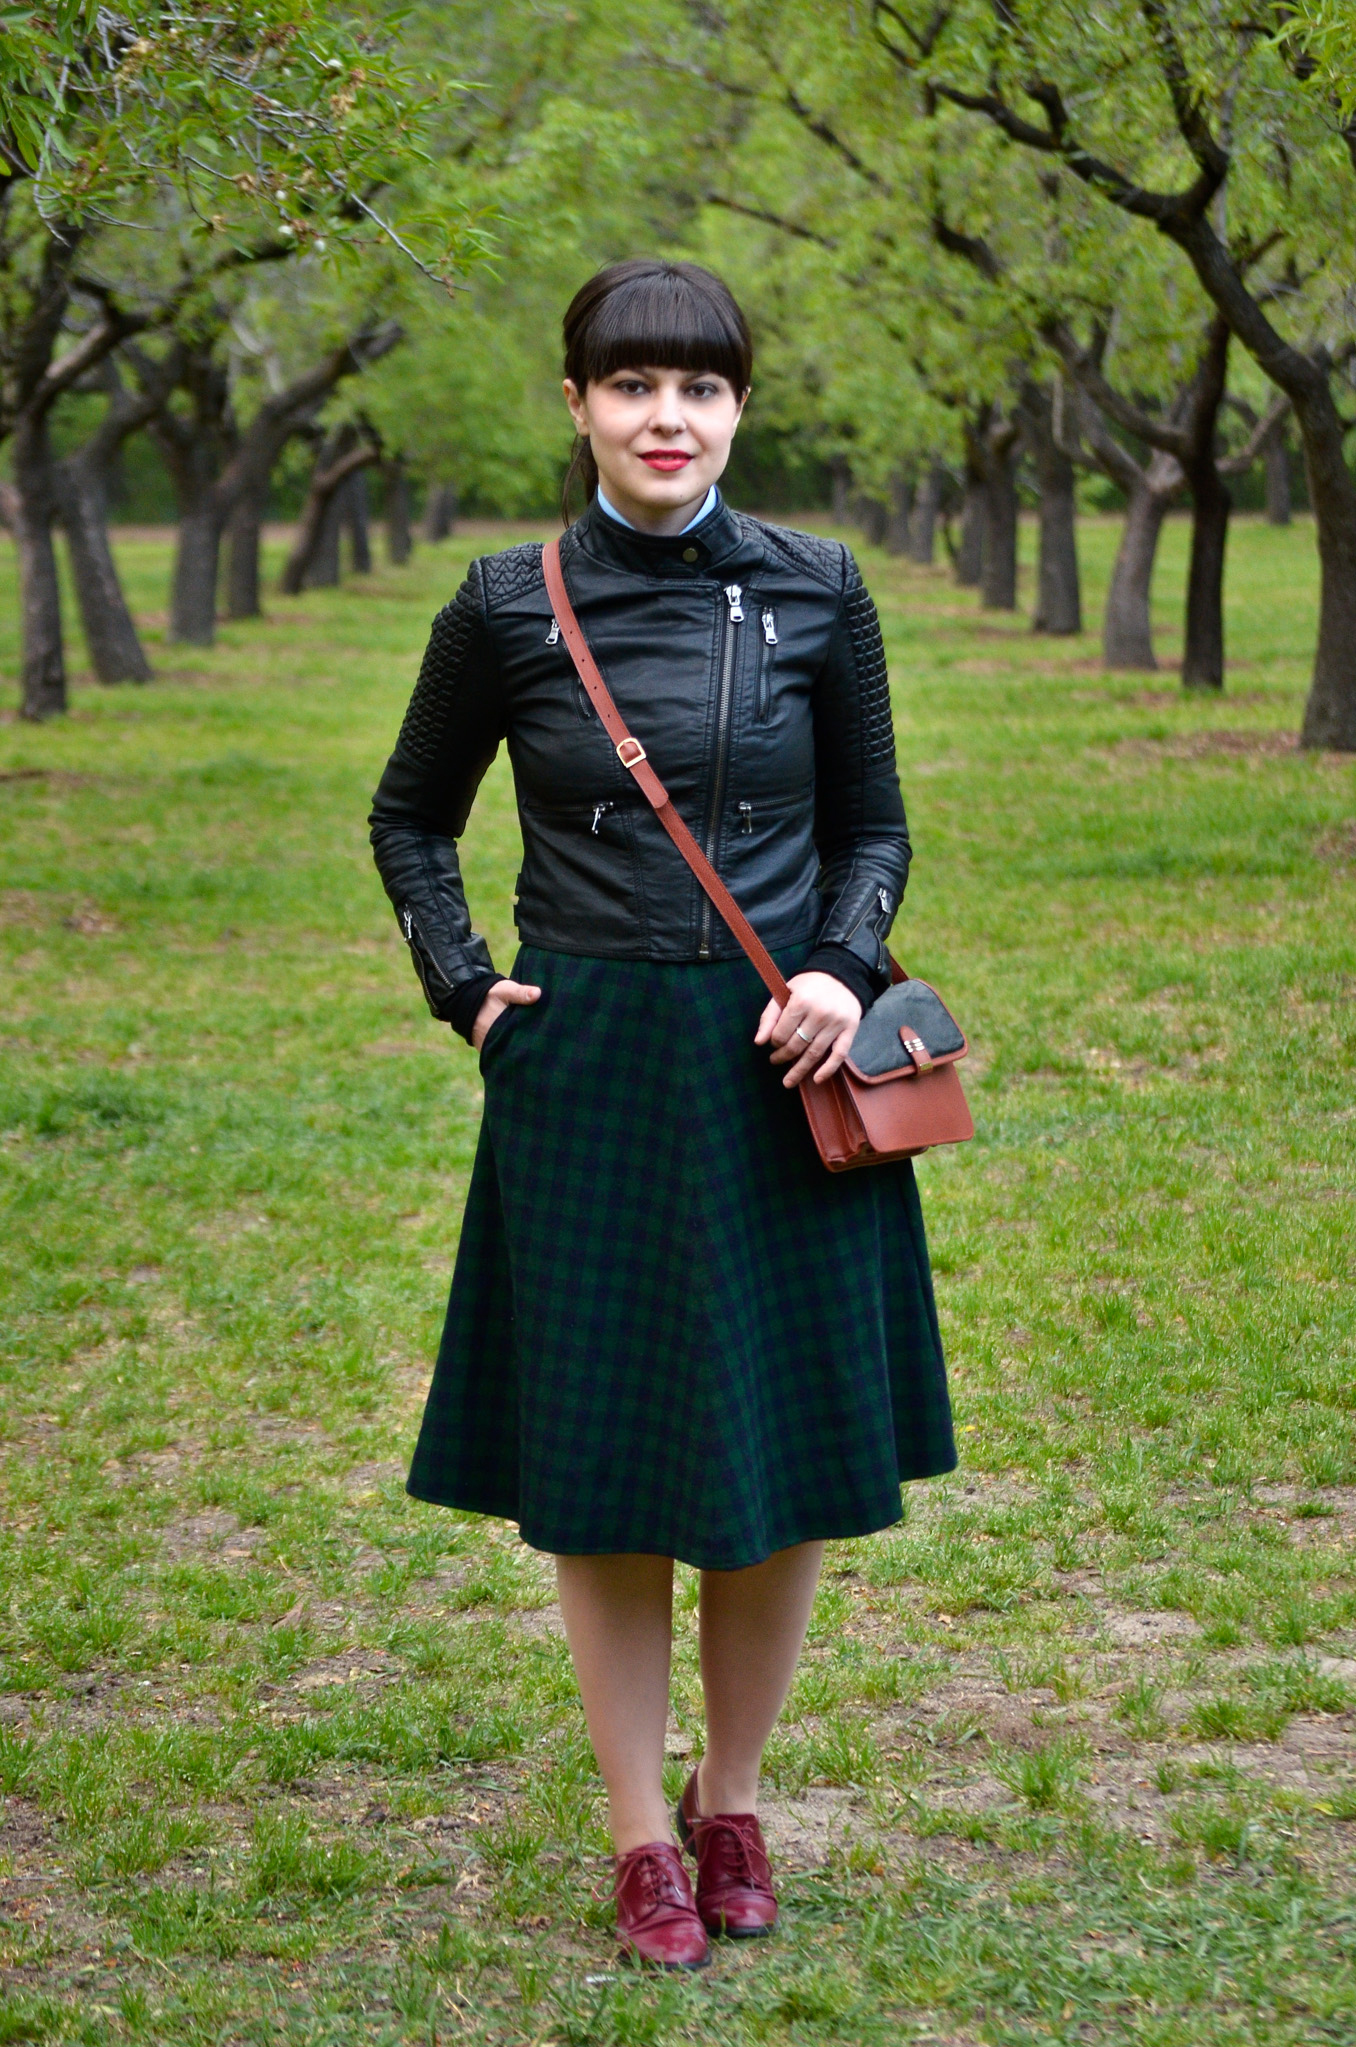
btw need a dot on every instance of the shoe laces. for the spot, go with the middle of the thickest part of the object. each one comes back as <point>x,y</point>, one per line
<point>658,1884</point>
<point>744,1848</point>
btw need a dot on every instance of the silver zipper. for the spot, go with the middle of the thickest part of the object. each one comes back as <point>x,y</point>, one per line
<point>600,810</point>
<point>733,593</point>
<point>746,818</point>
<point>770,628</point>
<point>554,633</point>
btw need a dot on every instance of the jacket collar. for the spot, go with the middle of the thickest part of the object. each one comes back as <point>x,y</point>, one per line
<point>698,553</point>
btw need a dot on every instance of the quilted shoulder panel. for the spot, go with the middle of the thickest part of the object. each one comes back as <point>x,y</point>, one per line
<point>873,683</point>
<point>455,631</point>
<point>806,552</point>
<point>511,574</point>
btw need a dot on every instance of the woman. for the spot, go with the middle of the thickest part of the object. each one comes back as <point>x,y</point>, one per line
<point>671,1334</point>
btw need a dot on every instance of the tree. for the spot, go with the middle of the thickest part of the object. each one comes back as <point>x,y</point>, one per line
<point>314,560</point>
<point>272,123</point>
<point>216,467</point>
<point>1164,109</point>
<point>81,484</point>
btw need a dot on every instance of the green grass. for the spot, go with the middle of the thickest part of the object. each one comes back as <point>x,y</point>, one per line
<point>286,1757</point>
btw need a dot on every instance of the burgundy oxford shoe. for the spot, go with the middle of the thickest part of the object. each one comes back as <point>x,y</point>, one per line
<point>734,1881</point>
<point>656,1917</point>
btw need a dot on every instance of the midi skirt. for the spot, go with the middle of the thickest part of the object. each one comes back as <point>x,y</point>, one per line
<point>671,1330</point>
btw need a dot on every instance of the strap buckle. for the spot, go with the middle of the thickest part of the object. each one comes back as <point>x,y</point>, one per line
<point>916,1049</point>
<point>636,758</point>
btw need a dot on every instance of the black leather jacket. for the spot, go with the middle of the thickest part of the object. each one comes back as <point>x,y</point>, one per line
<point>747,659</point>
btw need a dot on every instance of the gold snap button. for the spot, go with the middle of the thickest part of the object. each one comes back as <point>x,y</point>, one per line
<point>689,554</point>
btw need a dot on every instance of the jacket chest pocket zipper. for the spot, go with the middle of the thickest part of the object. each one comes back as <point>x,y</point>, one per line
<point>600,811</point>
<point>762,705</point>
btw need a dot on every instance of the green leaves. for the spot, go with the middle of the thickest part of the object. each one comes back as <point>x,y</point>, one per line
<point>267,118</point>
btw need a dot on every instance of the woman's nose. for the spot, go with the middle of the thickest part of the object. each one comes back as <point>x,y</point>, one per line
<point>666,416</point>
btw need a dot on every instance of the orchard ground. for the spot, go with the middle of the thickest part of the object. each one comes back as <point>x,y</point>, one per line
<point>1072,1756</point>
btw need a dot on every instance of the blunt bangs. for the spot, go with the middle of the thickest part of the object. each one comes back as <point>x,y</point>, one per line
<point>647,314</point>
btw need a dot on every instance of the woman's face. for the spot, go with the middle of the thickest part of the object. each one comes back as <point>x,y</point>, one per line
<point>660,438</point>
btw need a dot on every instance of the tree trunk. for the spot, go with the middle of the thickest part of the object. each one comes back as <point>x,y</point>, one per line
<point>1058,604</point>
<point>314,561</point>
<point>115,650</point>
<point>43,673</point>
<point>871,516</point>
<point>1211,504</point>
<point>440,513</point>
<point>193,595</point>
<point>998,575</point>
<point>246,533</point>
<point>840,473</point>
<point>355,517</point>
<point>1276,468</point>
<point>970,553</point>
<point>322,561</point>
<point>1330,713</point>
<point>927,506</point>
<point>1127,630</point>
<point>399,538</point>
<point>1203,641</point>
<point>899,514</point>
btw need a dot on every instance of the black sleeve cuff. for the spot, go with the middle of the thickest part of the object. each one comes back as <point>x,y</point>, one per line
<point>847,966</point>
<point>464,1007</point>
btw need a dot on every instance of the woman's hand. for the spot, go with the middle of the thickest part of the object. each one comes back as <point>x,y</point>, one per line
<point>503,995</point>
<point>815,1029</point>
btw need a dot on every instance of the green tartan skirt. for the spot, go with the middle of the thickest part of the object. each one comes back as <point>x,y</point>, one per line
<point>670,1329</point>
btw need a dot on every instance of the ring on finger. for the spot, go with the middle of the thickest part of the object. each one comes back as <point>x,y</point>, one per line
<point>802,1034</point>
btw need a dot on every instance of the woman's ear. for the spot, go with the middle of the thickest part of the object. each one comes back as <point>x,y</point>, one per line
<point>574,398</point>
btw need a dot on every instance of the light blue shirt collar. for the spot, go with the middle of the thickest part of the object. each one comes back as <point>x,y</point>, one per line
<point>708,504</point>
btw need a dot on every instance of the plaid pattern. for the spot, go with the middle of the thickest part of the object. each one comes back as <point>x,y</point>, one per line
<point>670,1329</point>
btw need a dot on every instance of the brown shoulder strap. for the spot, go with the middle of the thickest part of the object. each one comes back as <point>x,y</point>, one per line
<point>633,758</point>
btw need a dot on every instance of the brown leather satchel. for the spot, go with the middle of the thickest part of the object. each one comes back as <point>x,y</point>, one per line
<point>898,1093</point>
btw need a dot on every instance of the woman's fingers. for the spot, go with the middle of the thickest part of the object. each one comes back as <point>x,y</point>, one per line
<point>815,1029</point>
<point>806,1056</point>
<point>501,995</point>
<point>767,1022</point>
<point>838,1052</point>
<point>798,1029</point>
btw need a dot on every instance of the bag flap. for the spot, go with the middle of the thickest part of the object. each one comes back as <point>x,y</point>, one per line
<point>911,1010</point>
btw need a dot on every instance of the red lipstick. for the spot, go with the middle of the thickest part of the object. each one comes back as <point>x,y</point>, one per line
<point>667,460</point>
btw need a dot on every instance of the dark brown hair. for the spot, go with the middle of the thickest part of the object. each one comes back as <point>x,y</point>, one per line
<point>646,313</point>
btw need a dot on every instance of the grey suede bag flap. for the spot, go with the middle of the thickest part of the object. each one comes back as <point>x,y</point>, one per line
<point>908,1016</point>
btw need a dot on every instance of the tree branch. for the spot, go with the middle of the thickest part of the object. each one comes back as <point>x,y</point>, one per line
<point>777,220</point>
<point>1262,430</point>
<point>829,135</point>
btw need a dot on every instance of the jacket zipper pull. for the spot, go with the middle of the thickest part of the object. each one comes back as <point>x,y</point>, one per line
<point>733,593</point>
<point>600,810</point>
<point>554,633</point>
<point>884,895</point>
<point>746,818</point>
<point>770,628</point>
<point>407,919</point>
